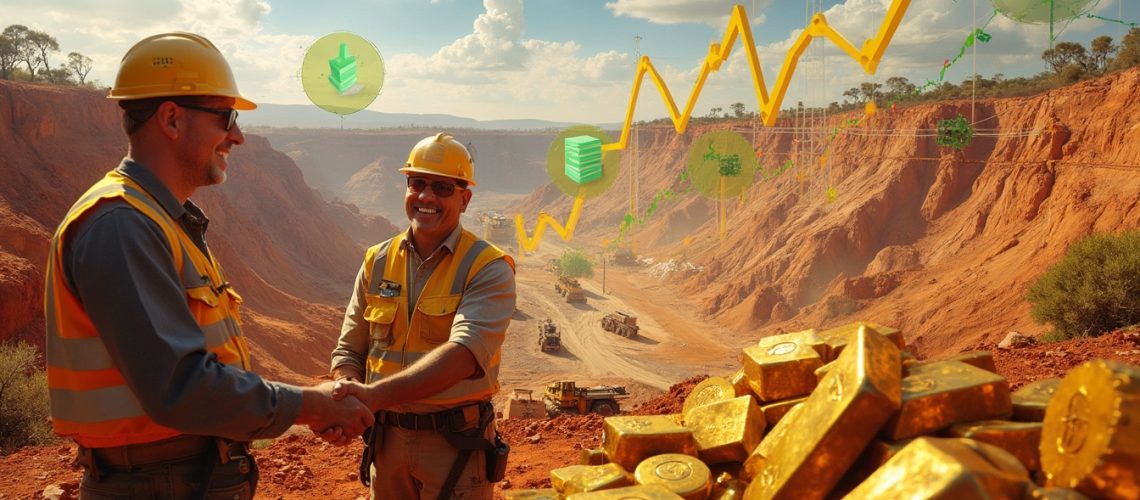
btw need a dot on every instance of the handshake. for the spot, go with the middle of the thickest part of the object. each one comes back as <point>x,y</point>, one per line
<point>336,411</point>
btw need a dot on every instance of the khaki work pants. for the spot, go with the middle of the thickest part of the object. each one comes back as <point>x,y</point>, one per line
<point>413,465</point>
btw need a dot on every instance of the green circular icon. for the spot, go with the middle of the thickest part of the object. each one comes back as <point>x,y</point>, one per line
<point>721,164</point>
<point>342,73</point>
<point>577,165</point>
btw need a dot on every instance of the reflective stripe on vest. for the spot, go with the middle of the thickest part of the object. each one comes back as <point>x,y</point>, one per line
<point>394,346</point>
<point>90,401</point>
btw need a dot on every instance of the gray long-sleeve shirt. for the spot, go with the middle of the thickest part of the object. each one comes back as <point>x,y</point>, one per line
<point>118,262</point>
<point>481,319</point>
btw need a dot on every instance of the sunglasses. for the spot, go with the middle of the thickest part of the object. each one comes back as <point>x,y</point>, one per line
<point>442,189</point>
<point>230,114</point>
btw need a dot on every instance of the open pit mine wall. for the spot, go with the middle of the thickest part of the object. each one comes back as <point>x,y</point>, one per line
<point>940,243</point>
<point>291,254</point>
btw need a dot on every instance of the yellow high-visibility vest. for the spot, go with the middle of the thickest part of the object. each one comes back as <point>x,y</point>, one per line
<point>397,340</point>
<point>90,402</point>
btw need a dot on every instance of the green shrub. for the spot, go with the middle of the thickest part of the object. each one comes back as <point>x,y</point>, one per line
<point>24,409</point>
<point>575,264</point>
<point>1094,289</point>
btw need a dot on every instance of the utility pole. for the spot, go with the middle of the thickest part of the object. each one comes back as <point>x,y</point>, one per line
<point>633,180</point>
<point>603,271</point>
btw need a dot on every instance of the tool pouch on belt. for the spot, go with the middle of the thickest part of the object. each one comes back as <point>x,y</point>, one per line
<point>467,442</point>
<point>497,459</point>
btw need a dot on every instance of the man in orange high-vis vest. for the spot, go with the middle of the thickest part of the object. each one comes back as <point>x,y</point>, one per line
<point>424,330</point>
<point>147,367</point>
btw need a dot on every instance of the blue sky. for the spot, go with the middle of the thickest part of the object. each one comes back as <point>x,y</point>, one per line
<point>564,60</point>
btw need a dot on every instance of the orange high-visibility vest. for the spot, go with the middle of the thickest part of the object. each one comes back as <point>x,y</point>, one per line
<point>90,401</point>
<point>397,340</point>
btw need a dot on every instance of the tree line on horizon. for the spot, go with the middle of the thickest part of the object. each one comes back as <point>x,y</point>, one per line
<point>1065,63</point>
<point>20,45</point>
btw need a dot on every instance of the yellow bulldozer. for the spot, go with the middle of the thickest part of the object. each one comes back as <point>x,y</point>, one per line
<point>566,397</point>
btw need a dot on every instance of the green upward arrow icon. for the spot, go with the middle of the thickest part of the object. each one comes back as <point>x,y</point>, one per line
<point>343,68</point>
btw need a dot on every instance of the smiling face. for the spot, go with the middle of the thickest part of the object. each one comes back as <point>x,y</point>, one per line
<point>433,217</point>
<point>207,148</point>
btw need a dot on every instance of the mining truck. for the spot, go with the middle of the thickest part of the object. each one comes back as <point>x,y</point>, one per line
<point>621,323</point>
<point>564,397</point>
<point>548,337</point>
<point>570,288</point>
<point>496,227</point>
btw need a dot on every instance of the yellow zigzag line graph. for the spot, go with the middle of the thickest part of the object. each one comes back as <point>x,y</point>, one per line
<point>868,58</point>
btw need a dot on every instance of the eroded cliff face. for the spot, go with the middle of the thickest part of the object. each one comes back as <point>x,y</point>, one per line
<point>292,255</point>
<point>941,244</point>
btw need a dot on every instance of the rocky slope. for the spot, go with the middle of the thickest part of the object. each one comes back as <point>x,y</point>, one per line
<point>360,167</point>
<point>288,251</point>
<point>938,243</point>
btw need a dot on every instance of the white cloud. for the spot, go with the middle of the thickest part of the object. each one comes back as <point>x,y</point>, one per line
<point>494,72</point>
<point>264,65</point>
<point>710,12</point>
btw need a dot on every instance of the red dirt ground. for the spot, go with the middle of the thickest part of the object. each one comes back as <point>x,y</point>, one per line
<point>300,465</point>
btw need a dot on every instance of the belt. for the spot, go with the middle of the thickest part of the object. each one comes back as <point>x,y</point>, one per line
<point>450,420</point>
<point>167,450</point>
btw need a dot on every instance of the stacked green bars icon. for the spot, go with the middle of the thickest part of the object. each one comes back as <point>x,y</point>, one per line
<point>583,158</point>
<point>343,68</point>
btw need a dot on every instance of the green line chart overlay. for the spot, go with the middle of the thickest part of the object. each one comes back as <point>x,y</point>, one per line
<point>342,73</point>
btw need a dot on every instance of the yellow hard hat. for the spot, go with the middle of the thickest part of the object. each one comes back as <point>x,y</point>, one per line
<point>176,64</point>
<point>441,155</point>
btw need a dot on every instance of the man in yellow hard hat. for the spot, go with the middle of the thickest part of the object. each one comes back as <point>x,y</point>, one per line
<point>424,330</point>
<point>147,366</point>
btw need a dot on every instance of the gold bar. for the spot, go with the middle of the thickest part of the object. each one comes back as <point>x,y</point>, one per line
<point>628,440</point>
<point>1091,435</point>
<point>710,390</point>
<point>938,395</point>
<point>833,426</point>
<point>740,383</point>
<point>1020,439</point>
<point>592,456</point>
<point>773,412</point>
<point>726,431</point>
<point>757,458</point>
<point>782,366</point>
<point>877,453</point>
<point>1054,494</point>
<point>822,371</point>
<point>950,468</point>
<point>639,492</point>
<point>836,338</point>
<point>979,359</point>
<point>579,478</point>
<point>542,494</point>
<point>682,474</point>
<point>1029,402</point>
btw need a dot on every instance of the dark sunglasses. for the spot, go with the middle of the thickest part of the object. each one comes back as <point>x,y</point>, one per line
<point>230,114</point>
<point>442,189</point>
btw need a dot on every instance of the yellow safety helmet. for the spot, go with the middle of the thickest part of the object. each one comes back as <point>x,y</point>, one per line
<point>441,155</point>
<point>176,64</point>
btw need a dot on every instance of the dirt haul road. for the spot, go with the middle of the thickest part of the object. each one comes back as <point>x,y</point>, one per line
<point>671,344</point>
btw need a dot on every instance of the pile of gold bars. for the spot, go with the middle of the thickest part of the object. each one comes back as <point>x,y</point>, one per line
<point>848,413</point>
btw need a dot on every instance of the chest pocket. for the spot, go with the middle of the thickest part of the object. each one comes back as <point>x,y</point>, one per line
<point>380,313</point>
<point>437,315</point>
<point>204,295</point>
<point>235,303</point>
